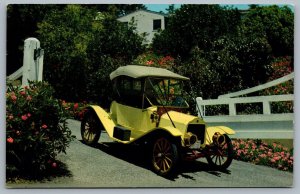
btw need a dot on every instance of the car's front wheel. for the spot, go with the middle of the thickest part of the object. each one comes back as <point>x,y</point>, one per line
<point>164,156</point>
<point>90,128</point>
<point>220,156</point>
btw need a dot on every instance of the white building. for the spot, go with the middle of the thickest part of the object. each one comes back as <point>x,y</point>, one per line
<point>148,22</point>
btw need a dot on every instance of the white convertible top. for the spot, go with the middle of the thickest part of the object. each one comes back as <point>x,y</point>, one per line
<point>137,71</point>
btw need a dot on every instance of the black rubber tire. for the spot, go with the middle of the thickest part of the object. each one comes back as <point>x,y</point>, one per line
<point>221,162</point>
<point>90,128</point>
<point>164,156</point>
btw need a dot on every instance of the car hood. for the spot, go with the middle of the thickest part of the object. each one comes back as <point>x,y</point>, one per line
<point>180,120</point>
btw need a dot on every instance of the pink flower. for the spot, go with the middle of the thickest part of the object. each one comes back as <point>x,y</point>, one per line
<point>23,93</point>
<point>44,126</point>
<point>54,165</point>
<point>24,117</point>
<point>10,117</point>
<point>13,97</point>
<point>263,155</point>
<point>276,158</point>
<point>10,140</point>
<point>75,106</point>
<point>270,153</point>
<point>28,115</point>
<point>150,62</point>
<point>29,98</point>
<point>272,160</point>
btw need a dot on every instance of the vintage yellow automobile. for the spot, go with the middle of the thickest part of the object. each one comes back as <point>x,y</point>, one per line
<point>149,109</point>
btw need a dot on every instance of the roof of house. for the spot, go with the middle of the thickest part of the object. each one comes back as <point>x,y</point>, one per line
<point>153,12</point>
<point>137,71</point>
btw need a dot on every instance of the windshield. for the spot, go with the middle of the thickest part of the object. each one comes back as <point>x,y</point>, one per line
<point>165,92</point>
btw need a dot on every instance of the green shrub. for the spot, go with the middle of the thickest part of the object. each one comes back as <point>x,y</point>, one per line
<point>151,59</point>
<point>36,129</point>
<point>75,110</point>
<point>281,66</point>
<point>83,47</point>
<point>99,85</point>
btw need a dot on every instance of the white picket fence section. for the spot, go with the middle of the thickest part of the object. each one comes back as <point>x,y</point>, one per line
<point>32,68</point>
<point>266,125</point>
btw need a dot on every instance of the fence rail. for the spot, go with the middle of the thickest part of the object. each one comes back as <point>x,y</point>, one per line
<point>232,102</point>
<point>265,125</point>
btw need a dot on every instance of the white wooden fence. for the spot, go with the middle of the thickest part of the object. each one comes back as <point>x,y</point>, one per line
<point>265,125</point>
<point>32,68</point>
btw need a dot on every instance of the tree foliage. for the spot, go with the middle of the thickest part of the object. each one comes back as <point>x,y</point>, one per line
<point>22,20</point>
<point>80,51</point>
<point>222,50</point>
<point>227,67</point>
<point>274,23</point>
<point>65,35</point>
<point>195,26</point>
<point>21,24</point>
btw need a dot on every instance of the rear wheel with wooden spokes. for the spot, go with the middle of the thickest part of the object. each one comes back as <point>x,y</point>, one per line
<point>90,128</point>
<point>164,156</point>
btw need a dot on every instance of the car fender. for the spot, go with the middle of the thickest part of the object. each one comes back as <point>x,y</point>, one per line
<point>210,131</point>
<point>175,133</point>
<point>105,118</point>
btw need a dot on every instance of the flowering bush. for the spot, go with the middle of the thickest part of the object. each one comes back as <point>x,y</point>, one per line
<point>151,59</point>
<point>281,66</point>
<point>258,152</point>
<point>36,129</point>
<point>75,110</point>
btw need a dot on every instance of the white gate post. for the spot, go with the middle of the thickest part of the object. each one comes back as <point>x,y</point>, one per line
<point>32,61</point>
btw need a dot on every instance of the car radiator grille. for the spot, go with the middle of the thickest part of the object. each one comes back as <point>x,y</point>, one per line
<point>198,130</point>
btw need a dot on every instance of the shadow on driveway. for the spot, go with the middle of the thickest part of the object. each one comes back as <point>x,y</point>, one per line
<point>137,155</point>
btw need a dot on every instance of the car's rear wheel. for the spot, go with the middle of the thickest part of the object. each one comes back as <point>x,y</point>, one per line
<point>90,128</point>
<point>220,156</point>
<point>164,156</point>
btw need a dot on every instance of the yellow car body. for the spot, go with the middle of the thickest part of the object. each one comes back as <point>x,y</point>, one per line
<point>150,108</point>
<point>138,121</point>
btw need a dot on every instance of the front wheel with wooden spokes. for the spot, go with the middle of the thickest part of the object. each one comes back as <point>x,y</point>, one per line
<point>164,156</point>
<point>220,156</point>
<point>90,128</point>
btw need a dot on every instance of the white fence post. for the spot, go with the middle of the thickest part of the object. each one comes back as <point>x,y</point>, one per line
<point>266,107</point>
<point>232,109</point>
<point>32,61</point>
<point>32,68</point>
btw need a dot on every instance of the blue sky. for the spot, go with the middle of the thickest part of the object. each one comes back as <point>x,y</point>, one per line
<point>163,7</point>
